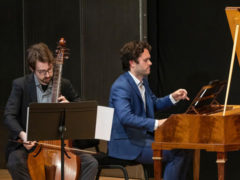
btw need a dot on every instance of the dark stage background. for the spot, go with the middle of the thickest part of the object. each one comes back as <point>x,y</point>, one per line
<point>191,43</point>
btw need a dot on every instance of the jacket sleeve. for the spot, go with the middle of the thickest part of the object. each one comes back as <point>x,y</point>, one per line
<point>13,110</point>
<point>69,92</point>
<point>162,103</point>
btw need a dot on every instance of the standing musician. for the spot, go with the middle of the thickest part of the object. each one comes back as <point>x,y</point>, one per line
<point>36,87</point>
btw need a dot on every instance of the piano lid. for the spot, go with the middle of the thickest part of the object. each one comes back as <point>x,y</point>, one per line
<point>233,16</point>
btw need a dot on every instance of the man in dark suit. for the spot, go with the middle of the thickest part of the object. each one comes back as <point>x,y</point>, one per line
<point>36,87</point>
<point>134,104</point>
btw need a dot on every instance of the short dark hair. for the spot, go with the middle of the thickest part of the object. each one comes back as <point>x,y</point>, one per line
<point>39,52</point>
<point>132,51</point>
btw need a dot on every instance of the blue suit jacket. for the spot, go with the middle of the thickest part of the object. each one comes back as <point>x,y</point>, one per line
<point>131,123</point>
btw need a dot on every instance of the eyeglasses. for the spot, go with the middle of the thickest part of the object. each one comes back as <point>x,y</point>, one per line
<point>44,72</point>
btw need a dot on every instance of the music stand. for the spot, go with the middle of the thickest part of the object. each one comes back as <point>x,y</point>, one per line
<point>54,121</point>
<point>206,97</point>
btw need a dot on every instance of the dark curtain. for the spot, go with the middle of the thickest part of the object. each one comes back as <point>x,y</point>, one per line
<point>192,45</point>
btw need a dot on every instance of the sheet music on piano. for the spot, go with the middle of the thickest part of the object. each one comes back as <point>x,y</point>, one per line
<point>206,100</point>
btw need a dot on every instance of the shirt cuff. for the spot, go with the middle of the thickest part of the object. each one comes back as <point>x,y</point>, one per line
<point>155,125</point>
<point>172,99</point>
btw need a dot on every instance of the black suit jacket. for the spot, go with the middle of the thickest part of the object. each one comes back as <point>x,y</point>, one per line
<point>23,93</point>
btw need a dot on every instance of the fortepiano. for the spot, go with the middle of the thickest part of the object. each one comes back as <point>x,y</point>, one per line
<point>206,125</point>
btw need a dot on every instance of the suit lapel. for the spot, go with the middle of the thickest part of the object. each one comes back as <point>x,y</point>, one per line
<point>149,102</point>
<point>135,87</point>
<point>133,84</point>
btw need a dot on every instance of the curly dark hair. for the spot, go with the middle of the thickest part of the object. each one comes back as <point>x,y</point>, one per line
<point>132,51</point>
<point>39,52</point>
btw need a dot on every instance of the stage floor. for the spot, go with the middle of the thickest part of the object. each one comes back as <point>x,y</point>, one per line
<point>4,175</point>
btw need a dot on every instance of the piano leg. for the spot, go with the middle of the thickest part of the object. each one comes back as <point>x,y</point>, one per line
<point>157,158</point>
<point>221,159</point>
<point>196,164</point>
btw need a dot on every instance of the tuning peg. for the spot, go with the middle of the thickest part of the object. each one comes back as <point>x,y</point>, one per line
<point>62,42</point>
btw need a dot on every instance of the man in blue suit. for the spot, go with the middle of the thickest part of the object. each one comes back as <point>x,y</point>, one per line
<point>134,122</point>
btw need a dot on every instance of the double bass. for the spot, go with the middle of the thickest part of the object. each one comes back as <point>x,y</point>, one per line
<point>45,161</point>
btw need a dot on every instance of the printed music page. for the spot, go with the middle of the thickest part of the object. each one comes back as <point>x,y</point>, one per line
<point>27,123</point>
<point>104,123</point>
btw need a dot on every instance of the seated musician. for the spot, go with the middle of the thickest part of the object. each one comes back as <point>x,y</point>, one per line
<point>134,122</point>
<point>36,87</point>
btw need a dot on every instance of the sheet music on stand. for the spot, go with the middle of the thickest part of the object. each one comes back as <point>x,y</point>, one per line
<point>104,123</point>
<point>207,98</point>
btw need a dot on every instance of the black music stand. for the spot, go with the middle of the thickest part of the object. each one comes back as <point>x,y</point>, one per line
<point>54,121</point>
